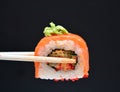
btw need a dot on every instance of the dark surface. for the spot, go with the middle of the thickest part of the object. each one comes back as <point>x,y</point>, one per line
<point>21,27</point>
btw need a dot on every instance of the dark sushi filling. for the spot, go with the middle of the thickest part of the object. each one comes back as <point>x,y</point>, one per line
<point>66,54</point>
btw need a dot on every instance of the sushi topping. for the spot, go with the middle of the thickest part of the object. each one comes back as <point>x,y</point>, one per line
<point>54,30</point>
<point>66,54</point>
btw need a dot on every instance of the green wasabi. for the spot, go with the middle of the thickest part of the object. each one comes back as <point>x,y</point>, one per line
<point>48,31</point>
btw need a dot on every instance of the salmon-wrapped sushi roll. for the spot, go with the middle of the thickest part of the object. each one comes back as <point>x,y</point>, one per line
<point>58,42</point>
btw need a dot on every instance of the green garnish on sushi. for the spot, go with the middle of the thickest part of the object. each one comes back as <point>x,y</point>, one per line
<point>54,30</point>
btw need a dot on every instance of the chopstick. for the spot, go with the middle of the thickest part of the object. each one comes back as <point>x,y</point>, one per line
<point>29,57</point>
<point>29,53</point>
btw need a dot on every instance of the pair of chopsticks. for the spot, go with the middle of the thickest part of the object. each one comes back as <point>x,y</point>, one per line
<point>29,57</point>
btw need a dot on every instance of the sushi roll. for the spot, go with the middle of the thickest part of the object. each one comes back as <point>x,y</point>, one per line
<point>58,42</point>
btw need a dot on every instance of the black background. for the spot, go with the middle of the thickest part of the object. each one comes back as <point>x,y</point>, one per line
<point>21,27</point>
